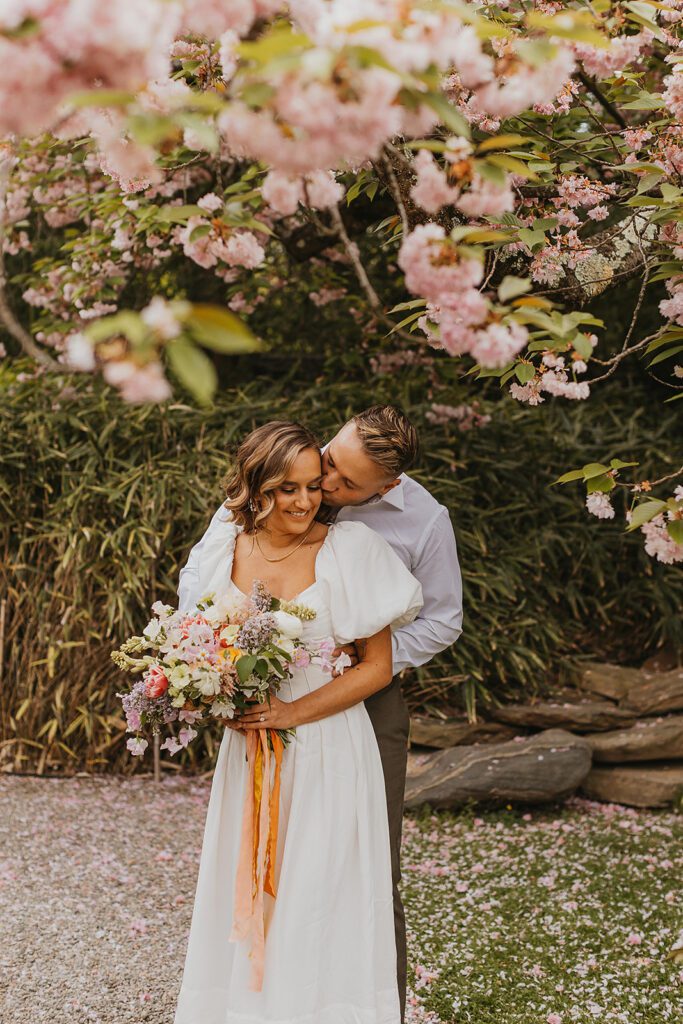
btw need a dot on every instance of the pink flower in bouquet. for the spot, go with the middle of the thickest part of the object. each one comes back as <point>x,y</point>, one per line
<point>186,735</point>
<point>156,681</point>
<point>188,715</point>
<point>301,657</point>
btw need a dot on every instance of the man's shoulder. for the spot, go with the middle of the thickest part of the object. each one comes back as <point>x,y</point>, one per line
<point>416,496</point>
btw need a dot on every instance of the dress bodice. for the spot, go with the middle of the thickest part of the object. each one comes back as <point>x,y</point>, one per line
<point>360,584</point>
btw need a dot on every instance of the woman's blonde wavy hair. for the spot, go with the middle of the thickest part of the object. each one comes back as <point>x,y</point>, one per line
<point>262,462</point>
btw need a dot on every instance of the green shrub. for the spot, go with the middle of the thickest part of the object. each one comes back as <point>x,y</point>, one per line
<point>102,501</point>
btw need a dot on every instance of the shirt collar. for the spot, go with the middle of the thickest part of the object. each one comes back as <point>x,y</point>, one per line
<point>395,497</point>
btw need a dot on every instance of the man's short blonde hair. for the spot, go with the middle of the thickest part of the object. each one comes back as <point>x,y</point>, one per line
<point>388,438</point>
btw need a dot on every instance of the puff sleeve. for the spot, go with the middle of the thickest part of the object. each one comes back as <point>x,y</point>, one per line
<point>368,586</point>
<point>209,565</point>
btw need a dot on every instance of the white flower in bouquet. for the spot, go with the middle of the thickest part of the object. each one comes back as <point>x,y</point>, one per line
<point>153,630</point>
<point>162,610</point>
<point>221,609</point>
<point>209,684</point>
<point>288,625</point>
<point>220,710</point>
<point>179,676</point>
<point>229,633</point>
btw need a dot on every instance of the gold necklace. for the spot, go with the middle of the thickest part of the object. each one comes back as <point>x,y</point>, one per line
<point>282,558</point>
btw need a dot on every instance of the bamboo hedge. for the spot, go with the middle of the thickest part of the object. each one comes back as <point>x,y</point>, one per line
<point>102,501</point>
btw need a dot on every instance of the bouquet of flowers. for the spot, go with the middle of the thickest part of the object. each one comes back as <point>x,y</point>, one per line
<point>212,662</point>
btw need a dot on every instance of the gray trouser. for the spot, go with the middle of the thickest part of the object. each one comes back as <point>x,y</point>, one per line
<point>389,716</point>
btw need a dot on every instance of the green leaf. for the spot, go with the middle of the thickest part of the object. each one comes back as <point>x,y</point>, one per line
<point>593,469</point>
<point>644,513</point>
<point>525,372</point>
<point>675,530</point>
<point>603,483</point>
<point>580,26</point>
<point>261,668</point>
<point>490,171</point>
<point>583,346</point>
<point>531,238</point>
<point>279,42</point>
<point>126,322</point>
<point>410,319</point>
<point>620,464</point>
<point>200,232</point>
<point>510,287</point>
<point>536,52</point>
<point>101,98</point>
<point>412,304</point>
<point>449,115</point>
<point>666,354</point>
<point>501,142</point>
<point>512,164</point>
<point>573,474</point>
<point>221,330</point>
<point>178,214</point>
<point>245,666</point>
<point>645,101</point>
<point>193,369</point>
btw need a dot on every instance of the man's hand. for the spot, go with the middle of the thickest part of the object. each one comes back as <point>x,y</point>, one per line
<point>353,652</point>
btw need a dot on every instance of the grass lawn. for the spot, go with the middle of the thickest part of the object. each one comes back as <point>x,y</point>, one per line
<point>544,916</point>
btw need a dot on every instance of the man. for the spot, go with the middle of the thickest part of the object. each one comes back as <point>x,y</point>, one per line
<point>365,480</point>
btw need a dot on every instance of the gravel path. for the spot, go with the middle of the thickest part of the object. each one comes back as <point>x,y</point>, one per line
<point>98,876</point>
<point>97,880</point>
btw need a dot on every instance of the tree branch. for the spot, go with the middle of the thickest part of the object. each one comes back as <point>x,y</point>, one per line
<point>602,100</point>
<point>7,317</point>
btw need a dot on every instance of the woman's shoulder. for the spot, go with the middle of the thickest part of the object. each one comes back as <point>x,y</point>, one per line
<point>353,537</point>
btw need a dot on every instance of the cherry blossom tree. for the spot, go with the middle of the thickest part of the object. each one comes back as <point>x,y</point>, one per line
<point>528,157</point>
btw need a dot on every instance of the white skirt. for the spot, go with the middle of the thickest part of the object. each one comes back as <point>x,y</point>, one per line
<point>330,948</point>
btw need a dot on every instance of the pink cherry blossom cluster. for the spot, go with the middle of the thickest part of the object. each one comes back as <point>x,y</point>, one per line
<point>672,308</point>
<point>599,504</point>
<point>283,192</point>
<point>553,378</point>
<point>465,416</point>
<point>621,51</point>
<point>432,190</point>
<point>659,543</point>
<point>447,277</point>
<point>76,45</point>
<point>212,18</point>
<point>211,242</point>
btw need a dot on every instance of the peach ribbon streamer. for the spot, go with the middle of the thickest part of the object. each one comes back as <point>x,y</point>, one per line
<point>258,847</point>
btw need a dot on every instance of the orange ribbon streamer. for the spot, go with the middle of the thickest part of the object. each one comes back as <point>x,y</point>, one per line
<point>258,847</point>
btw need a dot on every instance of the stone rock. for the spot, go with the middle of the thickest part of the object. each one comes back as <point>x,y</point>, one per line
<point>612,681</point>
<point>582,716</point>
<point>533,769</point>
<point>663,660</point>
<point>659,739</point>
<point>663,692</point>
<point>426,731</point>
<point>647,785</point>
<point>417,762</point>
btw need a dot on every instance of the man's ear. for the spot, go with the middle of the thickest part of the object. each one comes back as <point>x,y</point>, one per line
<point>390,486</point>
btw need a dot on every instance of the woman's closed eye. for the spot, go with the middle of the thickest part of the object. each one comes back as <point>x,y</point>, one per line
<point>292,490</point>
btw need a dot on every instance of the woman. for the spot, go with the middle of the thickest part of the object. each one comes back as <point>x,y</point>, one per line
<point>330,952</point>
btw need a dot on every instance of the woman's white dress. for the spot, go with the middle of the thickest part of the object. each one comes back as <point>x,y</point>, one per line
<point>330,952</point>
